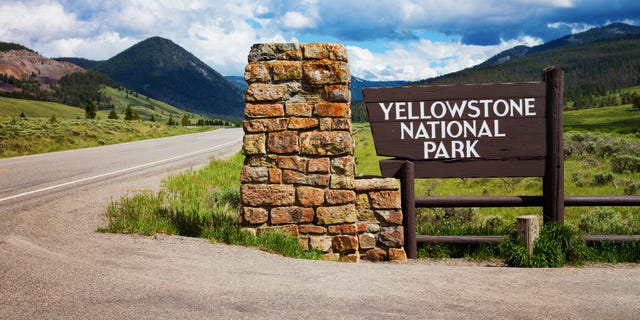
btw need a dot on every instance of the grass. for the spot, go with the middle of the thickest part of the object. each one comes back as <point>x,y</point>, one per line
<point>620,119</point>
<point>10,107</point>
<point>25,136</point>
<point>144,106</point>
<point>202,203</point>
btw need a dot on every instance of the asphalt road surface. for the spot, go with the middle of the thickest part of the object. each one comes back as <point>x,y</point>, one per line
<point>53,265</point>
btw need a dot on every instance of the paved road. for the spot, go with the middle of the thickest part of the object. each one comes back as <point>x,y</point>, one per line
<point>53,265</point>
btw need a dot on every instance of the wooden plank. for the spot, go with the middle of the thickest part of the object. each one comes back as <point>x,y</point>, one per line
<point>613,238</point>
<point>468,168</point>
<point>592,239</point>
<point>453,92</point>
<point>522,138</point>
<point>587,201</point>
<point>478,202</point>
<point>434,110</point>
<point>458,239</point>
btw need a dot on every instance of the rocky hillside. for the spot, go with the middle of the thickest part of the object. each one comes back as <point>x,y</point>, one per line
<point>24,64</point>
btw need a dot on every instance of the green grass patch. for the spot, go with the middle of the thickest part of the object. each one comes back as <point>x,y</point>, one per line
<point>10,107</point>
<point>25,136</point>
<point>199,203</point>
<point>143,105</point>
<point>620,119</point>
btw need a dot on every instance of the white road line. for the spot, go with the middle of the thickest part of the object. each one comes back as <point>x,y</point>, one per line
<point>117,171</point>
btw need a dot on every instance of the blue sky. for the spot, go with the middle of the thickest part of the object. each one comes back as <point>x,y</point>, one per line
<point>386,39</point>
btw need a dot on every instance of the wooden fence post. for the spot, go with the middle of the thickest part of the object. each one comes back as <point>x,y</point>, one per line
<point>553,181</point>
<point>407,181</point>
<point>528,230</point>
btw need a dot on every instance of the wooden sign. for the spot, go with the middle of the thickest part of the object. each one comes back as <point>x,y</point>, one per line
<point>479,130</point>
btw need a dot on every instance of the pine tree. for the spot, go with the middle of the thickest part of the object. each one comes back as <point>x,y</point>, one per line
<point>636,102</point>
<point>130,114</point>
<point>113,115</point>
<point>185,121</point>
<point>171,122</point>
<point>90,110</point>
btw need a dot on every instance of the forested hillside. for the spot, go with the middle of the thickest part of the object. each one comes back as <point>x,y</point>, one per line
<point>595,62</point>
<point>160,69</point>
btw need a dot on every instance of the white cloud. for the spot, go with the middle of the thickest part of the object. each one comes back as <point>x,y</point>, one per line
<point>100,47</point>
<point>574,27</point>
<point>296,20</point>
<point>43,20</point>
<point>424,59</point>
<point>221,32</point>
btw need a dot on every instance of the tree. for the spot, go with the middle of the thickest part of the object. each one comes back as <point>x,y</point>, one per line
<point>636,102</point>
<point>130,114</point>
<point>153,118</point>
<point>90,110</point>
<point>22,115</point>
<point>185,121</point>
<point>171,122</point>
<point>113,115</point>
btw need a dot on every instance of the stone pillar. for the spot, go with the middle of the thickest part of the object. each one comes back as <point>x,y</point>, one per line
<point>299,169</point>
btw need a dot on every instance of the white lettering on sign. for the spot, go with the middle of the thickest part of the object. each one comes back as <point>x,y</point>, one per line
<point>451,128</point>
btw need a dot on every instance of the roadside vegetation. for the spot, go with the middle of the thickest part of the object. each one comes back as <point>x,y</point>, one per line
<point>24,136</point>
<point>202,203</point>
<point>606,161</point>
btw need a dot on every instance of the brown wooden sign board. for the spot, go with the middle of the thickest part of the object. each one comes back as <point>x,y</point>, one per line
<point>478,130</point>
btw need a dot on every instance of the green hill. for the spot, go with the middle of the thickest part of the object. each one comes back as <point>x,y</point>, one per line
<point>11,107</point>
<point>595,62</point>
<point>161,69</point>
<point>143,105</point>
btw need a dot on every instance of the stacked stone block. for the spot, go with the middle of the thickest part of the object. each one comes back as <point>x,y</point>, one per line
<point>380,231</point>
<point>299,169</point>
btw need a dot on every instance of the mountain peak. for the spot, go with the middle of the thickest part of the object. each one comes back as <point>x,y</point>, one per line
<point>22,63</point>
<point>161,69</point>
<point>608,32</point>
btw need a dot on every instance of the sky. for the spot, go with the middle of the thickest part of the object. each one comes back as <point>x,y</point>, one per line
<point>385,39</point>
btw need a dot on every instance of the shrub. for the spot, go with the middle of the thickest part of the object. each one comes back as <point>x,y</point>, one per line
<point>557,245</point>
<point>602,178</point>
<point>625,162</point>
<point>631,188</point>
<point>604,221</point>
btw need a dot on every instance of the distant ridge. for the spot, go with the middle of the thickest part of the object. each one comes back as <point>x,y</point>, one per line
<point>160,69</point>
<point>81,62</point>
<point>594,61</point>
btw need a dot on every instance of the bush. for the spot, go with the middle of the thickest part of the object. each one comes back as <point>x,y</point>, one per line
<point>602,178</point>
<point>557,245</point>
<point>625,162</point>
<point>631,188</point>
<point>605,221</point>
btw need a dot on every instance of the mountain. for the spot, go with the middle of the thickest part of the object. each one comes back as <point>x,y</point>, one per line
<point>356,85</point>
<point>608,32</point>
<point>24,64</point>
<point>26,74</point>
<point>160,69</point>
<point>595,62</point>
<point>238,81</point>
<point>81,62</point>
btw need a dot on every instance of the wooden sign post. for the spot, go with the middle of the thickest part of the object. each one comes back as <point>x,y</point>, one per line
<point>472,130</point>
